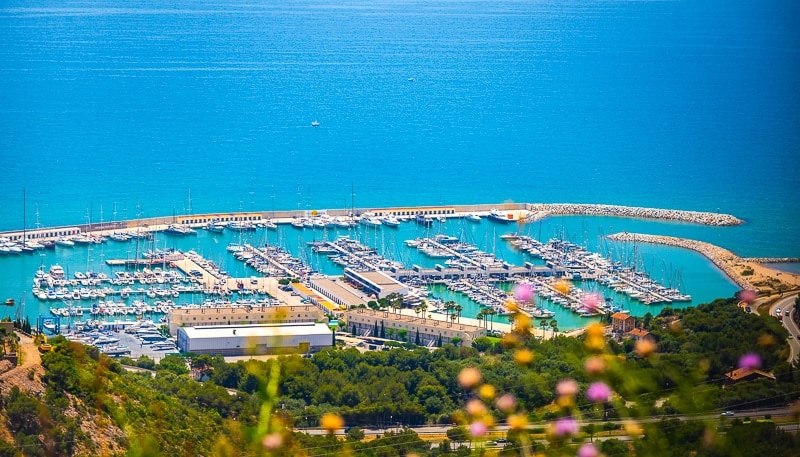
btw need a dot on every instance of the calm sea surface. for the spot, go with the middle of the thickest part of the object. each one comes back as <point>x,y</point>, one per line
<point>126,108</point>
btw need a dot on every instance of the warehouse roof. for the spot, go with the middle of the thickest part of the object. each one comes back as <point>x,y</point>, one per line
<point>256,330</point>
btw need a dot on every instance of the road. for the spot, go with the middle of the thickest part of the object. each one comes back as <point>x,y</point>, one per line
<point>787,304</point>
<point>502,429</point>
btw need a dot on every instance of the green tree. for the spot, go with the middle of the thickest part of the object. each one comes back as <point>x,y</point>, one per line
<point>416,339</point>
<point>457,434</point>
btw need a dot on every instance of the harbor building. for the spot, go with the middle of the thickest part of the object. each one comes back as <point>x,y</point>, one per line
<point>233,315</point>
<point>367,320</point>
<point>337,291</point>
<point>235,340</point>
<point>375,283</point>
<point>315,299</point>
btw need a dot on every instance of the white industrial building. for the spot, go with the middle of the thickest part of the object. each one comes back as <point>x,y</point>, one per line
<point>229,340</point>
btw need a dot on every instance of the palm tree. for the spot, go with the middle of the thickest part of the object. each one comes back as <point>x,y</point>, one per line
<point>423,307</point>
<point>491,312</point>
<point>458,309</point>
<point>543,324</point>
<point>448,306</point>
<point>554,326</point>
<point>482,317</point>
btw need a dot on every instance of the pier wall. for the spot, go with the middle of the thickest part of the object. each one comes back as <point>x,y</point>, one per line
<point>527,212</point>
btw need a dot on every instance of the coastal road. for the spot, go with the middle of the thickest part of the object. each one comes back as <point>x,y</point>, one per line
<point>787,304</point>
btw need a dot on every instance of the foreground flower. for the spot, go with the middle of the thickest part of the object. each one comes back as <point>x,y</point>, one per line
<point>486,392</point>
<point>506,403</point>
<point>750,361</point>
<point>562,286</point>
<point>523,356</point>
<point>595,337</point>
<point>598,392</point>
<point>523,292</point>
<point>272,441</point>
<point>331,422</point>
<point>746,295</point>
<point>644,348</point>
<point>565,426</point>
<point>476,407</point>
<point>567,387</point>
<point>594,365</point>
<point>469,377</point>
<point>517,421</point>
<point>477,429</point>
<point>591,301</point>
<point>588,450</point>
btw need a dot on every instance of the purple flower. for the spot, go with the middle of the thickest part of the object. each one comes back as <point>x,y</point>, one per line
<point>750,361</point>
<point>588,450</point>
<point>598,392</point>
<point>565,426</point>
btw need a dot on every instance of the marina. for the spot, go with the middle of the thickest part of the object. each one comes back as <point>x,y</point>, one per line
<point>435,255</point>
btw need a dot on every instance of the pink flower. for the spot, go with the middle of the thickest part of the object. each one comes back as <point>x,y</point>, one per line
<point>477,429</point>
<point>566,426</point>
<point>567,387</point>
<point>598,392</point>
<point>506,403</point>
<point>591,301</point>
<point>588,450</point>
<point>523,292</point>
<point>750,361</point>
<point>746,295</point>
<point>272,441</point>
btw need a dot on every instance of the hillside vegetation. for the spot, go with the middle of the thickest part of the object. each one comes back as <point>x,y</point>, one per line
<point>89,404</point>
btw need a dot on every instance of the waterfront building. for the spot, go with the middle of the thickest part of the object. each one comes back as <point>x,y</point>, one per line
<point>366,320</point>
<point>338,292</point>
<point>375,283</point>
<point>639,334</point>
<point>622,322</point>
<point>232,315</point>
<point>235,340</point>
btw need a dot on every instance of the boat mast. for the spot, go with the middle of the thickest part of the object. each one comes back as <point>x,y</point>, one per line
<point>24,206</point>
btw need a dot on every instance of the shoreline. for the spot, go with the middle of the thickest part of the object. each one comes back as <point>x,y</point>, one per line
<point>747,273</point>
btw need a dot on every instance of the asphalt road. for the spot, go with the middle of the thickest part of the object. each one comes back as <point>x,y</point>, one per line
<point>787,304</point>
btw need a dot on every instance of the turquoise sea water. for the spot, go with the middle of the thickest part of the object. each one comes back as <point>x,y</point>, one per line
<point>672,104</point>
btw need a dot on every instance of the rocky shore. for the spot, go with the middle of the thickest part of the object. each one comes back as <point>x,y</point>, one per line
<point>539,211</point>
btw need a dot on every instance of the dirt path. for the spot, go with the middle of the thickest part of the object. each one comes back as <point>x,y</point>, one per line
<point>27,376</point>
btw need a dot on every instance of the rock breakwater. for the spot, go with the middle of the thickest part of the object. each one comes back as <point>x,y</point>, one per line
<point>539,211</point>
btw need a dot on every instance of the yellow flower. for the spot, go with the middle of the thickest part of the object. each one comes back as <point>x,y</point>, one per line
<point>517,421</point>
<point>469,377</point>
<point>595,330</point>
<point>331,422</point>
<point>595,343</point>
<point>476,408</point>
<point>633,429</point>
<point>562,286</point>
<point>511,305</point>
<point>509,340</point>
<point>486,392</point>
<point>644,348</point>
<point>522,322</point>
<point>565,401</point>
<point>523,356</point>
<point>766,340</point>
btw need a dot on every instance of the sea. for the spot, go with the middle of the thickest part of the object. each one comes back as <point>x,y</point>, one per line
<point>116,110</point>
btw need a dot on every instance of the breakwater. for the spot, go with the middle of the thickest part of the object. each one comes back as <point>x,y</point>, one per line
<point>724,259</point>
<point>542,210</point>
<point>527,212</point>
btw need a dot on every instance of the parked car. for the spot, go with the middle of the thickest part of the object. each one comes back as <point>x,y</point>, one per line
<point>727,413</point>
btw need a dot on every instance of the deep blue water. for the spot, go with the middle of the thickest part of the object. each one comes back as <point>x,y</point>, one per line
<point>673,104</point>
